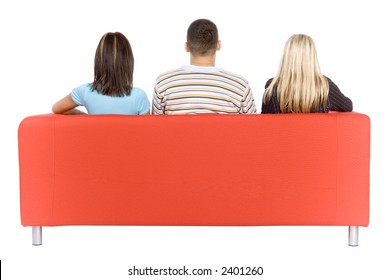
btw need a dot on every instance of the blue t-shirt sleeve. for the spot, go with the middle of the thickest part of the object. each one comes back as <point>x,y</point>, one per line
<point>78,94</point>
<point>143,106</point>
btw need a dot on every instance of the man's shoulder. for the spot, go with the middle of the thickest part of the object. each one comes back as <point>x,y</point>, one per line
<point>171,72</point>
<point>234,75</point>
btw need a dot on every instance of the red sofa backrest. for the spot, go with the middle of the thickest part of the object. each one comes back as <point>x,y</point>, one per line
<point>293,169</point>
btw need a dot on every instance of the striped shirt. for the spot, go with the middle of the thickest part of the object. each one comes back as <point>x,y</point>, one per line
<point>196,90</point>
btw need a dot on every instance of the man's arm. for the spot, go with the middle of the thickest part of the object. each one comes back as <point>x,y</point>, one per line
<point>248,105</point>
<point>157,103</point>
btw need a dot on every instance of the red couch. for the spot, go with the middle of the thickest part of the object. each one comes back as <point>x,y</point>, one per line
<point>293,169</point>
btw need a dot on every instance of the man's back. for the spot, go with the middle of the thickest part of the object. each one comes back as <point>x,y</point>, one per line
<point>195,90</point>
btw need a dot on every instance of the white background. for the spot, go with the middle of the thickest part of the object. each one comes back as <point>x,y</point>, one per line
<point>47,48</point>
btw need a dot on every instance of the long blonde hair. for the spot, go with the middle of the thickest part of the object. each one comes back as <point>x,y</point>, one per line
<point>299,85</point>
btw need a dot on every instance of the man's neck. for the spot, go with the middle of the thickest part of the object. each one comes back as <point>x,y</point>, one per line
<point>205,61</point>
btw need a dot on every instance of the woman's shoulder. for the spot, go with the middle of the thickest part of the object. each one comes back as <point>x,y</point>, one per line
<point>83,89</point>
<point>268,82</point>
<point>329,80</point>
<point>85,86</point>
<point>332,86</point>
<point>137,92</point>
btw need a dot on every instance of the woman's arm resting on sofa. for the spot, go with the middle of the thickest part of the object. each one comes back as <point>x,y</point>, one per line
<point>66,106</point>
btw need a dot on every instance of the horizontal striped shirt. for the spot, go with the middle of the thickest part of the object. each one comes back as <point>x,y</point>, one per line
<point>196,90</point>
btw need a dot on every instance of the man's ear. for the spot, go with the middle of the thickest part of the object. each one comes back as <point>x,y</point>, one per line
<point>219,45</point>
<point>186,47</point>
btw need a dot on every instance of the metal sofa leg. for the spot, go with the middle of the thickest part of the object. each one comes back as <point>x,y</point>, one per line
<point>353,236</point>
<point>37,235</point>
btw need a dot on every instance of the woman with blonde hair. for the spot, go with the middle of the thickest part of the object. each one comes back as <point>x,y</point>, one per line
<point>299,86</point>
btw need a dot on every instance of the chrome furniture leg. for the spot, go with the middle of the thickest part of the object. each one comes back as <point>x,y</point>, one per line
<point>37,235</point>
<point>353,236</point>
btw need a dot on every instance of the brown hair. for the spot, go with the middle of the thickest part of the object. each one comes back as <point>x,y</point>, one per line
<point>114,65</point>
<point>202,37</point>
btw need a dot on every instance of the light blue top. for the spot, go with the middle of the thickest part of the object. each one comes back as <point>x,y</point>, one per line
<point>136,103</point>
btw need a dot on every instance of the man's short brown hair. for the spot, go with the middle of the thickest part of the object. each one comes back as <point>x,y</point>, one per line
<point>202,37</point>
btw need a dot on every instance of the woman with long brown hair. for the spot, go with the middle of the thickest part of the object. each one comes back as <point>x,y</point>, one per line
<point>111,91</point>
